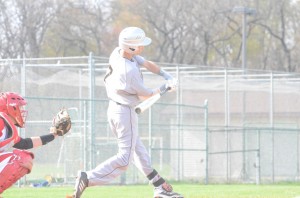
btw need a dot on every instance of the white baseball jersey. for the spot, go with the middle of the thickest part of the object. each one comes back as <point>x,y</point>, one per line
<point>125,84</point>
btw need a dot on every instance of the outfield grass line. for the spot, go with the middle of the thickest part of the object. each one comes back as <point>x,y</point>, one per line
<point>146,191</point>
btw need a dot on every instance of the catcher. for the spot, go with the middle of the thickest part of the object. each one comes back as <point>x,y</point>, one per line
<point>15,164</point>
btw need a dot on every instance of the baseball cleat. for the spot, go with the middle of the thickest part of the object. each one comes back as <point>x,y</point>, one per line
<point>165,191</point>
<point>80,185</point>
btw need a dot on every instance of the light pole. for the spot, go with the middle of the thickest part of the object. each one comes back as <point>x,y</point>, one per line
<point>245,11</point>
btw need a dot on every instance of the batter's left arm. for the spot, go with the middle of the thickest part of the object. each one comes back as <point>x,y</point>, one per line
<point>154,68</point>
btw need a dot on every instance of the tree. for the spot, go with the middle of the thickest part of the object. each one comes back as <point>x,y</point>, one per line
<point>202,32</point>
<point>79,28</point>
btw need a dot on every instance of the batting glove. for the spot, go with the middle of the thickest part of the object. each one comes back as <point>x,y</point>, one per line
<point>172,84</point>
<point>169,86</point>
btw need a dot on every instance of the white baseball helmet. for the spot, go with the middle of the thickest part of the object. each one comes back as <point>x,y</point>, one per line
<point>132,37</point>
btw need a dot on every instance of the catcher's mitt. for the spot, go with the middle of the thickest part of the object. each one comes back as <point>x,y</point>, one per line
<point>61,123</point>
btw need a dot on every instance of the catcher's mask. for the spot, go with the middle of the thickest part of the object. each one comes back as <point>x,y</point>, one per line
<point>13,104</point>
<point>131,38</point>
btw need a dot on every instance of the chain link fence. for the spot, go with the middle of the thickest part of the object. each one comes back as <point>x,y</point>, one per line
<point>221,126</point>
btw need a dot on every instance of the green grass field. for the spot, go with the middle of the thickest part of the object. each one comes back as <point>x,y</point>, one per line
<point>145,191</point>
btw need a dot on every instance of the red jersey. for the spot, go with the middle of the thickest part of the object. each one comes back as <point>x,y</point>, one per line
<point>8,133</point>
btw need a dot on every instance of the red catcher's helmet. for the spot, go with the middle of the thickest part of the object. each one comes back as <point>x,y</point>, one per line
<point>12,104</point>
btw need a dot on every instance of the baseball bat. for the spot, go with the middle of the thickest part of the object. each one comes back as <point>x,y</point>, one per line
<point>149,102</point>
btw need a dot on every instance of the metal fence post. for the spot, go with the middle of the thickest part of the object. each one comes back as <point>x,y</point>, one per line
<point>206,140</point>
<point>23,92</point>
<point>92,107</point>
<point>298,170</point>
<point>226,94</point>
<point>179,121</point>
<point>150,132</point>
<point>258,159</point>
<point>85,161</point>
<point>271,121</point>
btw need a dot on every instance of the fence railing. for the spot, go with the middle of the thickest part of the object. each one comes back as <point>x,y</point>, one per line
<point>185,142</point>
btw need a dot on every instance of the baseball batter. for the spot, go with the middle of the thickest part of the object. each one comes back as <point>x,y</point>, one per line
<point>15,164</point>
<point>125,87</point>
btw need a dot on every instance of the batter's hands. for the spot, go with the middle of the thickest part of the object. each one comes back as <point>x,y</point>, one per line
<point>169,86</point>
<point>172,84</point>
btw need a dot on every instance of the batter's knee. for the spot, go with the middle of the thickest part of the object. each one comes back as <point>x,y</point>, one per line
<point>124,167</point>
<point>124,160</point>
